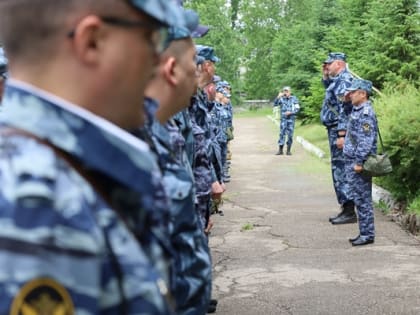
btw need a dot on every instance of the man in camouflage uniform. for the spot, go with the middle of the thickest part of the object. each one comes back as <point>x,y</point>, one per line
<point>220,118</point>
<point>206,164</point>
<point>173,85</point>
<point>360,142</point>
<point>334,116</point>
<point>83,212</point>
<point>289,107</point>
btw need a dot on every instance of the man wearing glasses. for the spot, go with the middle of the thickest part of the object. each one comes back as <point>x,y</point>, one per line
<point>84,227</point>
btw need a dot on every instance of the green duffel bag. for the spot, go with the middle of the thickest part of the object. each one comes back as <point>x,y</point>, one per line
<point>377,165</point>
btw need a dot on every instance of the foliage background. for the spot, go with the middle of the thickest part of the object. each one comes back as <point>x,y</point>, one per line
<point>284,42</point>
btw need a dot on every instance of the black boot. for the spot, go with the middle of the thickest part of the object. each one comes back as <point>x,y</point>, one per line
<point>348,216</point>
<point>288,150</point>
<point>280,151</point>
<point>336,215</point>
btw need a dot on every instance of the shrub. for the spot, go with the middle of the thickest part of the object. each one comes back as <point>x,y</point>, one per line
<point>398,113</point>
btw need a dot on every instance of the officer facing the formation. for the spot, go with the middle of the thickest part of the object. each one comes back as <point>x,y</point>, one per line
<point>360,142</point>
<point>334,116</point>
<point>3,71</point>
<point>83,215</point>
<point>289,107</point>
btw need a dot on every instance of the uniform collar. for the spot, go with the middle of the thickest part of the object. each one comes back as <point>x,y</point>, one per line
<point>361,106</point>
<point>97,143</point>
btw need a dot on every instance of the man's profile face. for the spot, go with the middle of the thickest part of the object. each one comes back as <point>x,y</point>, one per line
<point>187,74</point>
<point>132,61</point>
<point>335,67</point>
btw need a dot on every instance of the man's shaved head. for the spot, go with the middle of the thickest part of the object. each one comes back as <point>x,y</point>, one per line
<point>28,28</point>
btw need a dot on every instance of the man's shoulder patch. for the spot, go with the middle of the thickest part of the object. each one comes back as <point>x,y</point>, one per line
<point>42,296</point>
<point>366,127</point>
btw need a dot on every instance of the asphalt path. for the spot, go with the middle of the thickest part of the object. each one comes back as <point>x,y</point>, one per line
<point>274,251</point>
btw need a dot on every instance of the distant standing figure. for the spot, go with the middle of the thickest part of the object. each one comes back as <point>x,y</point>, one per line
<point>289,107</point>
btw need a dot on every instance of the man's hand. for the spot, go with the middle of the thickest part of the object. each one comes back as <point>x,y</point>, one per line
<point>358,168</point>
<point>288,114</point>
<point>210,91</point>
<point>340,143</point>
<point>346,97</point>
<point>325,71</point>
<point>216,190</point>
<point>209,226</point>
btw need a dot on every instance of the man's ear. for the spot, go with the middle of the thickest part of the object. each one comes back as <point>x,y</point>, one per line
<point>87,39</point>
<point>169,72</point>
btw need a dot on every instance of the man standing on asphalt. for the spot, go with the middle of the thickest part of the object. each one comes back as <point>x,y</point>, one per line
<point>289,107</point>
<point>172,87</point>
<point>334,116</point>
<point>83,216</point>
<point>360,142</point>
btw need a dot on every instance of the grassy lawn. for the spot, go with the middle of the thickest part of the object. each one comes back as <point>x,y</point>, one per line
<point>245,112</point>
<point>315,134</point>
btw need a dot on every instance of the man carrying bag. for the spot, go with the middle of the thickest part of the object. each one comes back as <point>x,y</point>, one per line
<point>360,143</point>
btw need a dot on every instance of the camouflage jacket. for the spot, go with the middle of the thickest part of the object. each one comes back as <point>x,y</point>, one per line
<point>334,111</point>
<point>361,134</point>
<point>64,241</point>
<point>191,280</point>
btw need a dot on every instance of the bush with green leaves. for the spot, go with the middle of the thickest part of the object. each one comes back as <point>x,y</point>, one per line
<point>398,113</point>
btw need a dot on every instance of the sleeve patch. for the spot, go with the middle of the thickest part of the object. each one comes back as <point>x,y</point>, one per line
<point>42,296</point>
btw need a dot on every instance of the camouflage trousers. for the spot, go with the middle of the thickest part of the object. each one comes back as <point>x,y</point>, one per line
<point>287,128</point>
<point>203,209</point>
<point>361,191</point>
<point>341,186</point>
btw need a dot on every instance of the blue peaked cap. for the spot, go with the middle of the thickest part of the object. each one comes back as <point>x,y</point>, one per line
<point>191,27</point>
<point>167,12</point>
<point>360,84</point>
<point>335,56</point>
<point>207,53</point>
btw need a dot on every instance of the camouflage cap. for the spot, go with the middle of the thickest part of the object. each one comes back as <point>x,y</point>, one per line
<point>360,84</point>
<point>335,56</point>
<point>221,89</point>
<point>207,53</point>
<point>166,12</point>
<point>191,28</point>
<point>287,88</point>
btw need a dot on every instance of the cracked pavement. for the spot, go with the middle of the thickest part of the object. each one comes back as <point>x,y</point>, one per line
<point>292,260</point>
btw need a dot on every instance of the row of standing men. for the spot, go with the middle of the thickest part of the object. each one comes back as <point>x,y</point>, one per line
<point>114,144</point>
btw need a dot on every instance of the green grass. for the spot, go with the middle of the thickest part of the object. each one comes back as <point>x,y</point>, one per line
<point>246,113</point>
<point>315,134</point>
<point>414,206</point>
<point>383,207</point>
<point>247,227</point>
